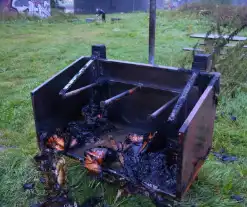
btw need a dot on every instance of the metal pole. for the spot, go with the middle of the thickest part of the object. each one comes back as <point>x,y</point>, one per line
<point>79,90</point>
<point>76,77</point>
<point>155,114</point>
<point>183,97</point>
<point>152,24</point>
<point>119,96</point>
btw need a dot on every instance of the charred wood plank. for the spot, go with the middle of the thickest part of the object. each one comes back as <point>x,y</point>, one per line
<point>227,45</point>
<point>145,85</point>
<point>159,111</point>
<point>79,90</point>
<point>194,49</point>
<point>76,77</point>
<point>217,36</point>
<point>119,96</point>
<point>183,96</point>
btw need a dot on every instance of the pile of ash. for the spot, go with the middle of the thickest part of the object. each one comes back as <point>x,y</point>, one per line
<point>79,133</point>
<point>151,169</point>
<point>131,156</point>
<point>96,119</point>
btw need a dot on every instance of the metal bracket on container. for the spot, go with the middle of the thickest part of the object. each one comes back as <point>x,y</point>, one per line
<point>202,62</point>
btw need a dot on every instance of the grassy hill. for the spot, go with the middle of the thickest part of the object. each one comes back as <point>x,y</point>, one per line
<point>31,51</point>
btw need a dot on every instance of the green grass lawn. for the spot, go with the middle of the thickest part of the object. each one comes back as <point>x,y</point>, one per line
<point>33,51</point>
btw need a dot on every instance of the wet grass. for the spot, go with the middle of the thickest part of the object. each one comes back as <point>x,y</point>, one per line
<point>32,51</point>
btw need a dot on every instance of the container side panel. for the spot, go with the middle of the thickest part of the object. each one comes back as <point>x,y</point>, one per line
<point>195,137</point>
<point>139,73</point>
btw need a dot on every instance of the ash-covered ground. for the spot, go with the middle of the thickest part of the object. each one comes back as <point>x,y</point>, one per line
<point>150,168</point>
<point>89,129</point>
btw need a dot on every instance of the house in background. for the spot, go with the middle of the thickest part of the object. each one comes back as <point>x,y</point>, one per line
<point>116,6</point>
<point>65,5</point>
<point>39,8</point>
<point>113,6</point>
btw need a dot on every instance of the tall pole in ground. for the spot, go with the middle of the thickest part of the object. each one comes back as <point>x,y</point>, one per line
<point>133,9</point>
<point>152,25</point>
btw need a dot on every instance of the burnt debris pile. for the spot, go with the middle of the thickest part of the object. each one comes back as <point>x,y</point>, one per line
<point>95,119</point>
<point>128,158</point>
<point>52,168</point>
<point>150,169</point>
<point>82,132</point>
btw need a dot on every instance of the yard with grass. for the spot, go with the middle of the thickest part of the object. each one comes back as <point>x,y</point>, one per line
<point>31,51</point>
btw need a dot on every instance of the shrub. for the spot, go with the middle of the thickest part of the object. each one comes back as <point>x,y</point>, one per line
<point>224,14</point>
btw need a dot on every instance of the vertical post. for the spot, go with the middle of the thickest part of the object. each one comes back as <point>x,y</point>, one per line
<point>186,4</point>
<point>152,24</point>
<point>133,8</point>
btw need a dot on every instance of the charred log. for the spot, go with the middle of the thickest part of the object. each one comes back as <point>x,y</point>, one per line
<point>183,97</point>
<point>76,77</point>
<point>119,97</point>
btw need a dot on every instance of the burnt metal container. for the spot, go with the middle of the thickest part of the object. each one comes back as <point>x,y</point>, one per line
<point>179,103</point>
